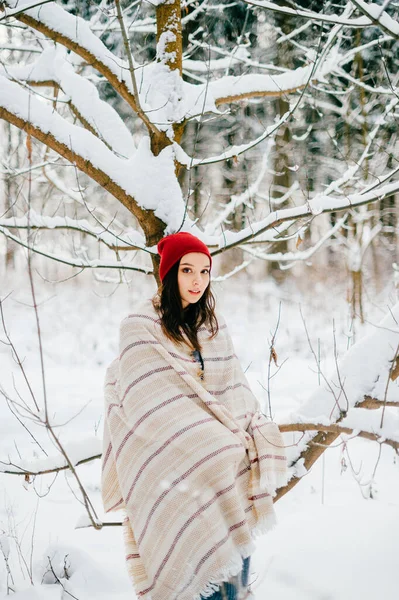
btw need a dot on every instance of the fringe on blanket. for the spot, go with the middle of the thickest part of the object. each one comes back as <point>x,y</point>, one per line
<point>234,566</point>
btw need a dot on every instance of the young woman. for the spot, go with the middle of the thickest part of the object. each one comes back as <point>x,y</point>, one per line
<point>188,455</point>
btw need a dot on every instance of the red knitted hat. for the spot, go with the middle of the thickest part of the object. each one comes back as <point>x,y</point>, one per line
<point>172,247</point>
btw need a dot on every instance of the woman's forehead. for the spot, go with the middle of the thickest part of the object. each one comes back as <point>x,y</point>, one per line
<point>195,259</point>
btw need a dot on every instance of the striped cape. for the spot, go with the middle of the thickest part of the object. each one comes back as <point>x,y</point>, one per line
<point>193,463</point>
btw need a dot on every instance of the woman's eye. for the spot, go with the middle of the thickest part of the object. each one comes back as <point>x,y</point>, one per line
<point>188,270</point>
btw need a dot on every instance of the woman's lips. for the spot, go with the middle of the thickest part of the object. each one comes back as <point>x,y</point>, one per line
<point>195,293</point>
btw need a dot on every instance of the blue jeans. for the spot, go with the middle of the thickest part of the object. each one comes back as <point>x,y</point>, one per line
<point>230,589</point>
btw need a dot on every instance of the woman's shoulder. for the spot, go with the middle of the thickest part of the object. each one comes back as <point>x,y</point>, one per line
<point>206,331</point>
<point>220,319</point>
<point>143,312</point>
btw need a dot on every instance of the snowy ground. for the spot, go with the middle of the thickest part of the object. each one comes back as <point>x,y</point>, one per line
<point>338,531</point>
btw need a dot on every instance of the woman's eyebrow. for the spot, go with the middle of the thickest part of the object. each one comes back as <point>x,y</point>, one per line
<point>190,265</point>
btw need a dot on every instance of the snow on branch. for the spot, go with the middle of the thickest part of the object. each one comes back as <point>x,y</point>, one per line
<point>363,378</point>
<point>92,157</point>
<point>356,23</point>
<point>53,68</point>
<point>241,55</point>
<point>79,452</point>
<point>373,14</point>
<point>349,174</point>
<point>233,151</point>
<point>339,429</point>
<point>80,197</point>
<point>234,271</point>
<point>293,257</point>
<point>132,240</point>
<point>320,204</point>
<point>75,34</point>
<point>251,85</point>
<point>238,200</point>
<point>17,11</point>
<point>234,88</point>
<point>379,17</point>
<point>163,97</point>
<point>230,89</point>
<point>147,25</point>
<point>382,91</point>
<point>82,264</point>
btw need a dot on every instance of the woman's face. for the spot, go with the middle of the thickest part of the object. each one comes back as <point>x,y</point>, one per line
<point>193,277</point>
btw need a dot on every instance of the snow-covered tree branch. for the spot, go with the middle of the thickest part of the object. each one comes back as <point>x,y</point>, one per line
<point>74,61</point>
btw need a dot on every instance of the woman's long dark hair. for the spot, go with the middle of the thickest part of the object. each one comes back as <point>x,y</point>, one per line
<point>175,319</point>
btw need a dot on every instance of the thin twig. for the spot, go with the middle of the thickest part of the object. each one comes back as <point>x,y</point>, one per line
<point>150,126</point>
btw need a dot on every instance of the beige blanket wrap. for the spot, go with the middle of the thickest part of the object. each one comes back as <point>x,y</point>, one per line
<point>193,463</point>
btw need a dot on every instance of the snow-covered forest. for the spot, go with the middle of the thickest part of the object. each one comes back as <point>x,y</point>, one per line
<point>270,131</point>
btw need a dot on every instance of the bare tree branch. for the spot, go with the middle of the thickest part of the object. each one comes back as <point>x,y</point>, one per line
<point>89,264</point>
<point>104,235</point>
<point>128,51</point>
<point>16,12</point>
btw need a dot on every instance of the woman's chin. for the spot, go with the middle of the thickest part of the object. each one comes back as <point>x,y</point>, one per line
<point>191,299</point>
